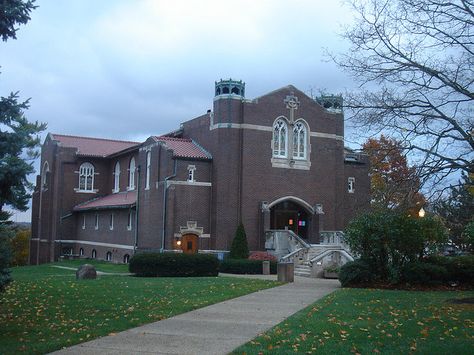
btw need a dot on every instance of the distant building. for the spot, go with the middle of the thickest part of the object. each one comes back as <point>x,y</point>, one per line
<point>274,163</point>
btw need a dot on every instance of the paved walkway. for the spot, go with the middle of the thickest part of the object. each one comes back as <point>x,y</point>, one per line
<point>215,329</point>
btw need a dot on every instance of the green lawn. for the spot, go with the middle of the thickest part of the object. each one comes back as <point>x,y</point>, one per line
<point>45,308</point>
<point>364,321</point>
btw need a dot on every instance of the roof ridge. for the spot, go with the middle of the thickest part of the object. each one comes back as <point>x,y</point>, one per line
<point>174,138</point>
<point>94,138</point>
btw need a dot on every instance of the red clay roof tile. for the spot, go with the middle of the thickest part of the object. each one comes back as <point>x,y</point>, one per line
<point>184,147</point>
<point>96,147</point>
<point>117,200</point>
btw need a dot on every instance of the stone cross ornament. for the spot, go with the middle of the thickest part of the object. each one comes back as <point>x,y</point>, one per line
<point>292,104</point>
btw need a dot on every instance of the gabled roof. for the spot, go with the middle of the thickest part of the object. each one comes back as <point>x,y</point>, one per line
<point>92,147</point>
<point>184,147</point>
<point>117,200</point>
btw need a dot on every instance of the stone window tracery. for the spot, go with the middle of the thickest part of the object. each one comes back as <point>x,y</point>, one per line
<point>86,177</point>
<point>299,140</point>
<point>280,135</point>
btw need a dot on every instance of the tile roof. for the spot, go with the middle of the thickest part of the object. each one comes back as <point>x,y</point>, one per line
<point>94,147</point>
<point>118,200</point>
<point>184,147</point>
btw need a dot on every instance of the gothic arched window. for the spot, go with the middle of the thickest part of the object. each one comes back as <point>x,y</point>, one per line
<point>299,140</point>
<point>131,174</point>
<point>86,177</point>
<point>117,177</point>
<point>280,138</point>
<point>45,175</point>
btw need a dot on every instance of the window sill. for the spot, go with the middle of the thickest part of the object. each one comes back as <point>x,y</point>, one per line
<point>86,191</point>
<point>114,191</point>
<point>297,164</point>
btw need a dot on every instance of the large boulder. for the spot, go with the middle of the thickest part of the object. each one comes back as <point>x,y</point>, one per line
<point>86,271</point>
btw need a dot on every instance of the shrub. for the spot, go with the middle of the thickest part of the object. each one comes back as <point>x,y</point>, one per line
<point>245,266</point>
<point>262,255</point>
<point>355,273</point>
<point>174,265</point>
<point>423,273</point>
<point>239,248</point>
<point>387,240</point>
<point>20,245</point>
<point>459,268</point>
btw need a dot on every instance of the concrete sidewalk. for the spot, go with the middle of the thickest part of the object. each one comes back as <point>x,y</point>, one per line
<point>215,329</point>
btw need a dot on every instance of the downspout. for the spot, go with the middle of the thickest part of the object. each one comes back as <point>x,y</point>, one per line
<point>135,244</point>
<point>165,193</point>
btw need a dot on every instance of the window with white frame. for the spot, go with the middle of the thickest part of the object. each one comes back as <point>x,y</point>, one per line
<point>96,225</point>
<point>130,221</point>
<point>94,254</point>
<point>126,258</point>
<point>86,177</point>
<point>280,138</point>
<point>148,167</point>
<point>191,170</point>
<point>111,222</point>
<point>83,221</point>
<point>81,252</point>
<point>108,256</point>
<point>299,140</point>
<point>117,177</point>
<point>351,185</point>
<point>131,174</point>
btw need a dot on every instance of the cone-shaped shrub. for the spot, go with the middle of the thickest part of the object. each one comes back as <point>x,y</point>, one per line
<point>239,248</point>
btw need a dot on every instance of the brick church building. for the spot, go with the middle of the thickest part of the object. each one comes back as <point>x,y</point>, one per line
<point>276,162</point>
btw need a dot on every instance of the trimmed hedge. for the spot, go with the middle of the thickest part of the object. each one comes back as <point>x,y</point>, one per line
<point>459,268</point>
<point>245,266</point>
<point>355,273</point>
<point>173,265</point>
<point>420,273</point>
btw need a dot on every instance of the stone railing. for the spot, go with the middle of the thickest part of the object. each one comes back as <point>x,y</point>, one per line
<point>332,238</point>
<point>284,242</point>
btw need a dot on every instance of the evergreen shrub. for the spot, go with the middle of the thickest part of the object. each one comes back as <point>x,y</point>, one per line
<point>5,257</point>
<point>239,248</point>
<point>174,265</point>
<point>245,266</point>
<point>356,273</point>
<point>423,273</point>
<point>459,268</point>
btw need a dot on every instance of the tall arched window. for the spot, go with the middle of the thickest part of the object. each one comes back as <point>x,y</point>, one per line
<point>299,140</point>
<point>117,177</point>
<point>86,177</point>
<point>280,137</point>
<point>148,167</point>
<point>131,174</point>
<point>45,174</point>
<point>94,254</point>
<point>108,256</point>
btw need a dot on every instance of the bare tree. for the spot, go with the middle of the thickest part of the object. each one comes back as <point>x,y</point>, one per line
<point>415,65</point>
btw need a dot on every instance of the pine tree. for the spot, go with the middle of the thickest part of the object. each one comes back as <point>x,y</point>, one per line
<point>239,248</point>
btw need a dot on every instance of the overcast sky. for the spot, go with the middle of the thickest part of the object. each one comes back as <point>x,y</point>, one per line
<point>128,69</point>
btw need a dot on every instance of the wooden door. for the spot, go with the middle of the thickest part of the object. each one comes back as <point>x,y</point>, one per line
<point>189,243</point>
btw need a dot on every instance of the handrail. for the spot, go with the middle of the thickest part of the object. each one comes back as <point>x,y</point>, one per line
<point>291,254</point>
<point>329,251</point>
<point>299,239</point>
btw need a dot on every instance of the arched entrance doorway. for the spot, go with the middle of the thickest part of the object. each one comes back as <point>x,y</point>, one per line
<point>189,243</point>
<point>290,215</point>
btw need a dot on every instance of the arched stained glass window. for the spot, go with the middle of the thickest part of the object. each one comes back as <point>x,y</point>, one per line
<point>299,140</point>
<point>86,177</point>
<point>131,174</point>
<point>117,177</point>
<point>280,137</point>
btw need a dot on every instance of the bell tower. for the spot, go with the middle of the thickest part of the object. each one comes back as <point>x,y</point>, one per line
<point>229,95</point>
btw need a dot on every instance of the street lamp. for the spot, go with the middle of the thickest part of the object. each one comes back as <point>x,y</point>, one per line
<point>421,212</point>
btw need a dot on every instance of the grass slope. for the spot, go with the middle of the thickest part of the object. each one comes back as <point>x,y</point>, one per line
<point>45,308</point>
<point>364,321</point>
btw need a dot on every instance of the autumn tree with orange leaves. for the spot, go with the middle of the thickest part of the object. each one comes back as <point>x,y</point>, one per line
<point>394,184</point>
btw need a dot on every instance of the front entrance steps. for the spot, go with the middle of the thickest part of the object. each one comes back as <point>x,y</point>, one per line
<point>309,260</point>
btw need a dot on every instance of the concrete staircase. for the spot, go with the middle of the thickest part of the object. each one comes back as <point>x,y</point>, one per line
<point>303,270</point>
